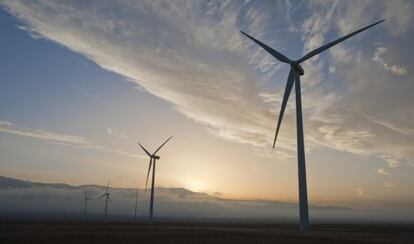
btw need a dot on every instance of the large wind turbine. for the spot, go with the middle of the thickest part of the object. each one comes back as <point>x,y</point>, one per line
<point>153,158</point>
<point>295,72</point>
<point>85,203</point>
<point>107,197</point>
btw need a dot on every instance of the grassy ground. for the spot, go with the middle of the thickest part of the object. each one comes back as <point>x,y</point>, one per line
<point>100,232</point>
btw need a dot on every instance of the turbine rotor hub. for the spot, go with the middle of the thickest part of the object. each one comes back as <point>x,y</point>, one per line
<point>298,68</point>
<point>155,157</point>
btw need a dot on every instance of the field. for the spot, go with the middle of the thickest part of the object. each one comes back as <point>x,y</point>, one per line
<point>123,232</point>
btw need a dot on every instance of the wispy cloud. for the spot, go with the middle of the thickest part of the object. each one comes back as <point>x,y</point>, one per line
<point>390,125</point>
<point>52,137</point>
<point>390,185</point>
<point>360,191</point>
<point>127,154</point>
<point>382,171</point>
<point>392,162</point>
<point>115,133</point>
<point>62,139</point>
<point>6,123</point>
<point>395,69</point>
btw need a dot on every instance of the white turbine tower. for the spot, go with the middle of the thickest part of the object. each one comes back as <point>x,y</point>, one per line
<point>153,158</point>
<point>294,78</point>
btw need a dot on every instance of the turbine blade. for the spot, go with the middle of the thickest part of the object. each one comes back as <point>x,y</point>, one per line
<point>102,196</point>
<point>274,53</point>
<point>328,45</point>
<point>288,89</point>
<point>107,188</point>
<point>149,169</point>
<point>143,148</point>
<point>162,145</point>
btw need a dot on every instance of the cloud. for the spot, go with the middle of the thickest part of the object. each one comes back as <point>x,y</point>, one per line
<point>382,171</point>
<point>194,63</point>
<point>332,69</point>
<point>52,137</point>
<point>392,162</point>
<point>350,15</point>
<point>127,154</point>
<point>62,139</point>
<point>115,133</point>
<point>190,53</point>
<point>390,185</point>
<point>360,191</point>
<point>395,69</point>
<point>6,123</point>
<point>363,118</point>
<point>389,125</point>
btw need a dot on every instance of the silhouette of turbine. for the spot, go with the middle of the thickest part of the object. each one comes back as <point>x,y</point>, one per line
<point>295,72</point>
<point>153,158</point>
<point>107,197</point>
<point>85,203</point>
<point>136,203</point>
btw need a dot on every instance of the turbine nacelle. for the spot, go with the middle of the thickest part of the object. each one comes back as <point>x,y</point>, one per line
<point>297,67</point>
<point>155,157</point>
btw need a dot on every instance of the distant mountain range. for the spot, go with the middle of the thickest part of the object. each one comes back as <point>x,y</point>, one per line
<point>21,198</point>
<point>24,199</point>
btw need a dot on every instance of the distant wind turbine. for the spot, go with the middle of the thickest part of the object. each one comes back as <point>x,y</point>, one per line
<point>295,72</point>
<point>107,197</point>
<point>136,203</point>
<point>85,203</point>
<point>153,158</point>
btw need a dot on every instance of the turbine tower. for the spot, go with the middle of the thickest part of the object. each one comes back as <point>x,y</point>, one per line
<point>295,72</point>
<point>85,203</point>
<point>136,203</point>
<point>153,157</point>
<point>107,197</point>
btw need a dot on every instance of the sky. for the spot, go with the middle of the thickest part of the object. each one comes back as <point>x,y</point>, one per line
<point>83,82</point>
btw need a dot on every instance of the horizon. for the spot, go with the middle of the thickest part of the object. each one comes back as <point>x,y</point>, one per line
<point>44,201</point>
<point>83,82</point>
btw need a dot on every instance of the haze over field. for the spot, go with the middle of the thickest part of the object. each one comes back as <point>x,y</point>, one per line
<point>82,81</point>
<point>25,199</point>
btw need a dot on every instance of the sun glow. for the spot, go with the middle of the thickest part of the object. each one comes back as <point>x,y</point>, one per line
<point>196,185</point>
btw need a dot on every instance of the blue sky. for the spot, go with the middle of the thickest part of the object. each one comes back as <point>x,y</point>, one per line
<point>81,83</point>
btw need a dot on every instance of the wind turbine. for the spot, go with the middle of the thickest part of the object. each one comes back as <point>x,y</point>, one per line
<point>295,72</point>
<point>136,203</point>
<point>107,197</point>
<point>85,203</point>
<point>153,158</point>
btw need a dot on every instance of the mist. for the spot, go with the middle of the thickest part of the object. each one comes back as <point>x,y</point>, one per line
<point>30,200</point>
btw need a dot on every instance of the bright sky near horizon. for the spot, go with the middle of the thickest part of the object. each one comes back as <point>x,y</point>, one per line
<point>83,81</point>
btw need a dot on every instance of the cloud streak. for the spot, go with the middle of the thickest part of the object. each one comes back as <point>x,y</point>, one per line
<point>62,139</point>
<point>382,171</point>
<point>395,69</point>
<point>114,133</point>
<point>52,137</point>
